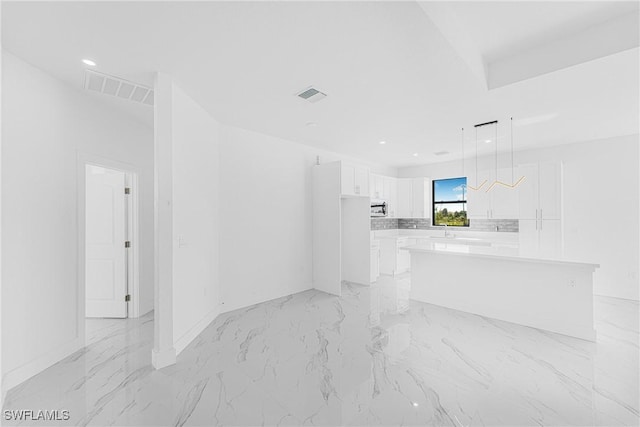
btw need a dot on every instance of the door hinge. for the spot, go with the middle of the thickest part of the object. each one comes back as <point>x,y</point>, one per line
<point>127,298</point>
<point>127,190</point>
<point>127,244</point>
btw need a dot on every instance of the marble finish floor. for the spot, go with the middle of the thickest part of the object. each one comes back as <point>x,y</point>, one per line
<point>370,357</point>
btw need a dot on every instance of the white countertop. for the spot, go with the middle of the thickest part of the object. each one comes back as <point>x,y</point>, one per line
<point>493,252</point>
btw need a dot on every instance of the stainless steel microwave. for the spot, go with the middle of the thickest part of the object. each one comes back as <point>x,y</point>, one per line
<point>378,208</point>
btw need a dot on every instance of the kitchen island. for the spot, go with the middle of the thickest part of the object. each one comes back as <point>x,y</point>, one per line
<point>502,283</point>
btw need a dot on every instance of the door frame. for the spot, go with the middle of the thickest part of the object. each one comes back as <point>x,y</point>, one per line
<point>133,286</point>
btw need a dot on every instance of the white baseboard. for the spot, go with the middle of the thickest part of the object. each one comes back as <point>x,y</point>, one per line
<point>22,373</point>
<point>161,359</point>
<point>182,342</point>
<point>228,307</point>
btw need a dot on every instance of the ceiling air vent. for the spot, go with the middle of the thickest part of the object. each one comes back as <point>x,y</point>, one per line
<point>441,153</point>
<point>115,86</point>
<point>312,94</point>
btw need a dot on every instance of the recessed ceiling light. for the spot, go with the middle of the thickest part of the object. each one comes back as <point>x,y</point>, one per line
<point>415,404</point>
<point>383,142</point>
<point>415,154</point>
<point>487,141</point>
<point>89,62</point>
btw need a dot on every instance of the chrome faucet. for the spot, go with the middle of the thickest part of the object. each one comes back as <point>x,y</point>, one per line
<point>446,230</point>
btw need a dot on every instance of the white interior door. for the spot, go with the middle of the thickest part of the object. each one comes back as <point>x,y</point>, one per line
<point>106,272</point>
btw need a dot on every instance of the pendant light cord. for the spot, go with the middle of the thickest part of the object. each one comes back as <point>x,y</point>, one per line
<point>463,152</point>
<point>476,156</point>
<point>496,150</point>
<point>512,177</point>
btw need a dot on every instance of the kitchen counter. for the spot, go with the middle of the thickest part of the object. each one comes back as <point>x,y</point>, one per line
<point>500,282</point>
<point>495,251</point>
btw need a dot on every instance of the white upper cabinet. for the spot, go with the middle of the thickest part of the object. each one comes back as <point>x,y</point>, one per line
<point>362,181</point>
<point>391,195</point>
<point>354,180</point>
<point>478,201</point>
<point>414,198</point>
<point>504,200</point>
<point>421,198</point>
<point>550,190</point>
<point>499,203</point>
<point>377,187</point>
<point>385,188</point>
<point>540,194</point>
<point>528,192</point>
<point>405,198</point>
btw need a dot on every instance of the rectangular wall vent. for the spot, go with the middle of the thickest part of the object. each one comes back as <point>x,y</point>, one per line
<point>115,86</point>
<point>441,153</point>
<point>312,94</point>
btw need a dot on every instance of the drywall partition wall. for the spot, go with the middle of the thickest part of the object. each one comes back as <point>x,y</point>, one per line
<point>600,205</point>
<point>266,215</point>
<point>196,294</point>
<point>326,235</point>
<point>45,125</point>
<point>163,353</point>
<point>2,388</point>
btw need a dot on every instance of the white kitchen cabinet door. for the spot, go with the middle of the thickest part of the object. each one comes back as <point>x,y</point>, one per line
<point>479,201</point>
<point>550,238</point>
<point>372,188</point>
<point>528,192</point>
<point>549,193</point>
<point>504,200</point>
<point>361,182</point>
<point>391,189</point>
<point>419,209</point>
<point>528,239</point>
<point>377,189</point>
<point>348,180</point>
<point>354,181</point>
<point>405,198</point>
<point>386,187</point>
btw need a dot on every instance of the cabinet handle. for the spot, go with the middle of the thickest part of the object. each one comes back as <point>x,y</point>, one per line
<point>357,189</point>
<point>536,219</point>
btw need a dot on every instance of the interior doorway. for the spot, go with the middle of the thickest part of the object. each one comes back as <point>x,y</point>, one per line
<point>108,222</point>
<point>108,241</point>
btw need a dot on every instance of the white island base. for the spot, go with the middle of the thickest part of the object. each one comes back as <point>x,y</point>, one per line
<point>552,295</point>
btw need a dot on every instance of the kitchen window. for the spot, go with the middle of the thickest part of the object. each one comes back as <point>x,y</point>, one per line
<point>450,202</point>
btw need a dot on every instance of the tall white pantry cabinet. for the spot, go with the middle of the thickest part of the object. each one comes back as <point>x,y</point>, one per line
<point>540,208</point>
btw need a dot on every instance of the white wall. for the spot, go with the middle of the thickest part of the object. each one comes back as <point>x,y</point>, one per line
<point>46,124</point>
<point>2,388</point>
<point>599,177</point>
<point>196,284</point>
<point>266,216</point>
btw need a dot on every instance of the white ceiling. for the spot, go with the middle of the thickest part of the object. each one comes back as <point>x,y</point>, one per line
<point>388,69</point>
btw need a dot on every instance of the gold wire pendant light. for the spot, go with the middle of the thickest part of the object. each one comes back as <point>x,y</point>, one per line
<point>498,182</point>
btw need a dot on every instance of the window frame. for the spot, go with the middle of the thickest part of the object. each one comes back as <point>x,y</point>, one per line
<point>434,202</point>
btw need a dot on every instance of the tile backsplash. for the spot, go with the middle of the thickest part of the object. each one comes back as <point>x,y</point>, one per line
<point>384,223</point>
<point>500,225</point>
